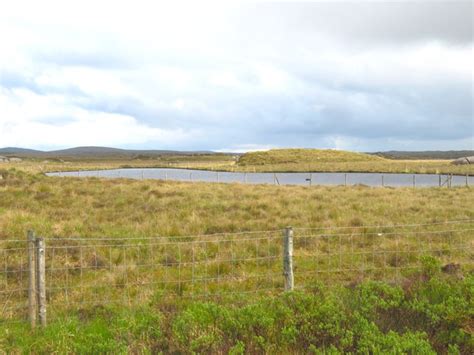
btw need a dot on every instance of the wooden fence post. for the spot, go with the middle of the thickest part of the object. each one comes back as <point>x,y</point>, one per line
<point>288,259</point>
<point>414,180</point>
<point>345,179</point>
<point>383,184</point>
<point>41,280</point>
<point>31,279</point>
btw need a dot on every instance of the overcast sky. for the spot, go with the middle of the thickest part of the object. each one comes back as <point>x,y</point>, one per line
<point>365,76</point>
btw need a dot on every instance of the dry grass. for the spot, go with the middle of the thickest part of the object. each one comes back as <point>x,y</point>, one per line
<point>303,156</point>
<point>94,207</point>
<point>281,160</point>
<point>120,208</point>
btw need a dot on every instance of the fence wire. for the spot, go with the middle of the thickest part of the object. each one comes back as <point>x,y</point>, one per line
<point>81,272</point>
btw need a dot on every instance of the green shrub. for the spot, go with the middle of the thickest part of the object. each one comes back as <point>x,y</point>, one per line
<point>199,327</point>
<point>373,317</point>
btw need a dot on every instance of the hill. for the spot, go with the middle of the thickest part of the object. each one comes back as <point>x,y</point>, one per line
<point>95,152</point>
<point>303,156</point>
<point>422,155</point>
<point>19,151</point>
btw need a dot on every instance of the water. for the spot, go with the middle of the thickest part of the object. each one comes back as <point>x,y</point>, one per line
<point>369,179</point>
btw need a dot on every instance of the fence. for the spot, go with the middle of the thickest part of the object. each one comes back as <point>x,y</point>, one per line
<point>68,274</point>
<point>308,179</point>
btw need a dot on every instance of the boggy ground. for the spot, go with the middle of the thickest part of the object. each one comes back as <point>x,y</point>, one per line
<point>428,311</point>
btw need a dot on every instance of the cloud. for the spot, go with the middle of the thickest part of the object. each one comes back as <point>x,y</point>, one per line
<point>50,122</point>
<point>358,75</point>
<point>379,22</point>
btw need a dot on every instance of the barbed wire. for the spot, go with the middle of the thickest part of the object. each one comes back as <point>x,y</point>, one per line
<point>249,263</point>
<point>459,221</point>
<point>386,233</point>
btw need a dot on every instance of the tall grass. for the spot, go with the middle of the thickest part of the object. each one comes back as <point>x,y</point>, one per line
<point>362,315</point>
<point>120,207</point>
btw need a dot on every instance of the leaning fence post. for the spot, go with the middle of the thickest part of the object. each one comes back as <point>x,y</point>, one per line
<point>288,259</point>
<point>41,280</point>
<point>31,279</point>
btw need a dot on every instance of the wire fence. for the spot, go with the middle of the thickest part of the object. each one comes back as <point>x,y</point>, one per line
<point>80,272</point>
<point>290,178</point>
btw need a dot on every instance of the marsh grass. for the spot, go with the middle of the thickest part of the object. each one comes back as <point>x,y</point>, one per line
<point>92,208</point>
<point>170,276</point>
<point>278,160</point>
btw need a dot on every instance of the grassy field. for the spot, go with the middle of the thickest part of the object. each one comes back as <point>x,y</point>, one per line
<point>300,160</point>
<point>304,156</point>
<point>279,160</point>
<point>398,301</point>
<point>58,206</point>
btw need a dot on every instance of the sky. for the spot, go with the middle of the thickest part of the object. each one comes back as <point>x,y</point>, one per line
<point>237,76</point>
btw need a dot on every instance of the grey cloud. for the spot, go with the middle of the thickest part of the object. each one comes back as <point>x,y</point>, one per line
<point>14,80</point>
<point>321,104</point>
<point>11,80</point>
<point>382,22</point>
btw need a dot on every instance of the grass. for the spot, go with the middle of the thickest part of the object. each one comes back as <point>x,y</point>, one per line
<point>301,160</point>
<point>411,307</point>
<point>97,207</point>
<point>304,156</point>
<point>278,160</point>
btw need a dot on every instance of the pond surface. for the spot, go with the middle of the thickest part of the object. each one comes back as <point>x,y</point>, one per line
<point>369,179</point>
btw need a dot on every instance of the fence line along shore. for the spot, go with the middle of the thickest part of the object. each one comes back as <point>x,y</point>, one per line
<point>281,178</point>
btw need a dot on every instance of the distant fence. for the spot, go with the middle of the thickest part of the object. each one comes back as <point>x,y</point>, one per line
<point>289,178</point>
<point>45,277</point>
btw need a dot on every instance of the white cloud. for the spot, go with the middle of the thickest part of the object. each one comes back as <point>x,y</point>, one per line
<point>242,148</point>
<point>207,75</point>
<point>31,120</point>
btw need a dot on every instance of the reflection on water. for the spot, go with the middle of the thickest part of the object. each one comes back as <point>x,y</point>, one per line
<point>369,179</point>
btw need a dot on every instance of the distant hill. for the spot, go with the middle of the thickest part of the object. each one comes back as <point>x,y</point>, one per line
<point>95,152</point>
<point>435,154</point>
<point>274,156</point>
<point>302,156</point>
<point>18,151</point>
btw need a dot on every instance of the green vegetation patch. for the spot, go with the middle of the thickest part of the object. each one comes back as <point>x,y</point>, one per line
<point>302,156</point>
<point>430,313</point>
